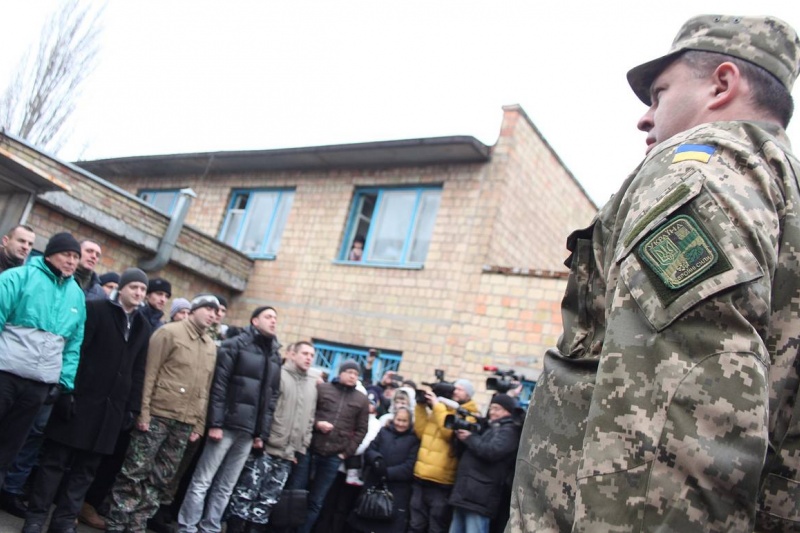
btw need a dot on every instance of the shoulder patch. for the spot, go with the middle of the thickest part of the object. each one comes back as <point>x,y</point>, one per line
<point>679,252</point>
<point>693,152</point>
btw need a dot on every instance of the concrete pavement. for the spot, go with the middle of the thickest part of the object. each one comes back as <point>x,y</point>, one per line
<point>12,524</point>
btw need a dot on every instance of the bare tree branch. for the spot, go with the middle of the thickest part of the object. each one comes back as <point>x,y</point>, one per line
<point>42,95</point>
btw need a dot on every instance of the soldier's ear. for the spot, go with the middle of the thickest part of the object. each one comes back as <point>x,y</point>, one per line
<point>726,86</point>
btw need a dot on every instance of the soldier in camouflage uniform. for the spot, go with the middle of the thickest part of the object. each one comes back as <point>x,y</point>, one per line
<point>670,401</point>
<point>180,364</point>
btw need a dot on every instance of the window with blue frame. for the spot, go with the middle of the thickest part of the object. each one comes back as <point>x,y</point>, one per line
<point>255,221</point>
<point>330,354</point>
<point>391,226</point>
<point>164,200</point>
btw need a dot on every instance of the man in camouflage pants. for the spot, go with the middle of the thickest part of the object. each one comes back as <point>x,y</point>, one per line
<point>265,474</point>
<point>670,401</point>
<point>180,364</point>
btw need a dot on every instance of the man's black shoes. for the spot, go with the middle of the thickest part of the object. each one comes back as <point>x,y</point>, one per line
<point>13,504</point>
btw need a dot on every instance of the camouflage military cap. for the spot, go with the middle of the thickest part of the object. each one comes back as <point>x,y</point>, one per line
<point>767,42</point>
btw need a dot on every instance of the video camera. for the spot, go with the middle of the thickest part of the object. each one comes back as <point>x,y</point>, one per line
<point>440,388</point>
<point>503,380</point>
<point>460,420</point>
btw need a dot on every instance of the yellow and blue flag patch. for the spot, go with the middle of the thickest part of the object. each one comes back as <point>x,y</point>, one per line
<point>693,152</point>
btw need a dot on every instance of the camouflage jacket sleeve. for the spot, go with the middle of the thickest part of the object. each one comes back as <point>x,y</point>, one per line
<point>677,419</point>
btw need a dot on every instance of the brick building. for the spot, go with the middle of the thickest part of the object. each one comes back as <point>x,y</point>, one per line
<point>463,243</point>
<point>53,196</point>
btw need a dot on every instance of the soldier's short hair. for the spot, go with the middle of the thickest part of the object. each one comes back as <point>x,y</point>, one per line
<point>768,93</point>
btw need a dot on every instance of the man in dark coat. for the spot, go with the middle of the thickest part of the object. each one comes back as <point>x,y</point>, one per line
<point>241,405</point>
<point>84,425</point>
<point>484,468</point>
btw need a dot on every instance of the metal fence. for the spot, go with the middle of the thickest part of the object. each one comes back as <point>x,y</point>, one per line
<point>329,356</point>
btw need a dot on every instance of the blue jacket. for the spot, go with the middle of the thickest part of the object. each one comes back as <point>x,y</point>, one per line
<point>41,324</point>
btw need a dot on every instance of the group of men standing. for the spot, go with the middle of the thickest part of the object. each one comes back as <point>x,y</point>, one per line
<point>89,367</point>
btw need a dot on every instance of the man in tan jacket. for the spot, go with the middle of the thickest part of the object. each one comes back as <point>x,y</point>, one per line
<point>180,366</point>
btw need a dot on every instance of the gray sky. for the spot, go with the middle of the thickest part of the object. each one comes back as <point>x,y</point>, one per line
<point>190,76</point>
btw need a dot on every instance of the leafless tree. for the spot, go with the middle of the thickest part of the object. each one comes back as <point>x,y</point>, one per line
<point>42,94</point>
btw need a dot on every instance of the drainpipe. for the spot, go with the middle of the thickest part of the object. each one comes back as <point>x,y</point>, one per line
<point>167,244</point>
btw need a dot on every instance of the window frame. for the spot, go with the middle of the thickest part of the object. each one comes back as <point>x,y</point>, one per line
<point>175,192</point>
<point>245,220</point>
<point>328,355</point>
<point>355,216</point>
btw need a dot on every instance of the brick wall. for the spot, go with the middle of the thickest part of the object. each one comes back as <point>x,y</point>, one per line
<point>539,201</point>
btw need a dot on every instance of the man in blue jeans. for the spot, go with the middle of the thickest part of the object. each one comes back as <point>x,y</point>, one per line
<point>241,405</point>
<point>339,427</point>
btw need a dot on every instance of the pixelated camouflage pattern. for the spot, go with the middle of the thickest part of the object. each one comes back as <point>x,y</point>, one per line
<point>150,463</point>
<point>259,487</point>
<point>768,42</point>
<point>684,418</point>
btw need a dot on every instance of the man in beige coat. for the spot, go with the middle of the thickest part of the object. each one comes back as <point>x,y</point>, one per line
<point>180,366</point>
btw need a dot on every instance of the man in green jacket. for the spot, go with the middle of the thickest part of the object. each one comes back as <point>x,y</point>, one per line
<point>42,312</point>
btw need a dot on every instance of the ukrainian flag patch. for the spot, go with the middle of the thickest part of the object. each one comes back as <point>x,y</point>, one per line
<point>693,152</point>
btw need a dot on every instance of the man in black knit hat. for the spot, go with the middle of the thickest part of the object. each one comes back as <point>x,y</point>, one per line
<point>159,291</point>
<point>39,341</point>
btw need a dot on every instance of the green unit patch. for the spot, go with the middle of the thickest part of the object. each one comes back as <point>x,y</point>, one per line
<point>679,252</point>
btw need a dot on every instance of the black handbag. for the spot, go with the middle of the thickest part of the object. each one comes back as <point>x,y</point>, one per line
<point>290,510</point>
<point>376,503</point>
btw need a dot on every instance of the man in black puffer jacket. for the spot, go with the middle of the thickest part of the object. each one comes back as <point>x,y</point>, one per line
<point>484,468</point>
<point>243,397</point>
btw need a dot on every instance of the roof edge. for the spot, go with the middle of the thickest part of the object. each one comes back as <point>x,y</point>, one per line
<point>518,108</point>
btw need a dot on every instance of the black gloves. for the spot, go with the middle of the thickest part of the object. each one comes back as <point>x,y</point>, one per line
<point>379,465</point>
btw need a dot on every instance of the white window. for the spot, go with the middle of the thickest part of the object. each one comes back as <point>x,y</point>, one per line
<point>392,226</point>
<point>255,221</point>
<point>163,200</point>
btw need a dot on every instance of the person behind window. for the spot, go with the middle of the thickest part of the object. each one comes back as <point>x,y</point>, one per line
<point>357,250</point>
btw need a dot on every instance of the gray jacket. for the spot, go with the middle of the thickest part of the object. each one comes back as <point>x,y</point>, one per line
<point>293,421</point>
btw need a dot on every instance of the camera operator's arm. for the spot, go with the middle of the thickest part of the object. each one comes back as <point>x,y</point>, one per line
<point>420,419</point>
<point>494,444</point>
<point>438,413</point>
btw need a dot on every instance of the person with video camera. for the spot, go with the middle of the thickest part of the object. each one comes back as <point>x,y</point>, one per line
<point>485,465</point>
<point>435,469</point>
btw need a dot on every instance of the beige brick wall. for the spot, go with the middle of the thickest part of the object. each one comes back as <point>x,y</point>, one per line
<point>540,202</point>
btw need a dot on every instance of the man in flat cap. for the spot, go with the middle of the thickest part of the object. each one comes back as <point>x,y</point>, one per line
<point>180,364</point>
<point>42,311</point>
<point>669,403</point>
